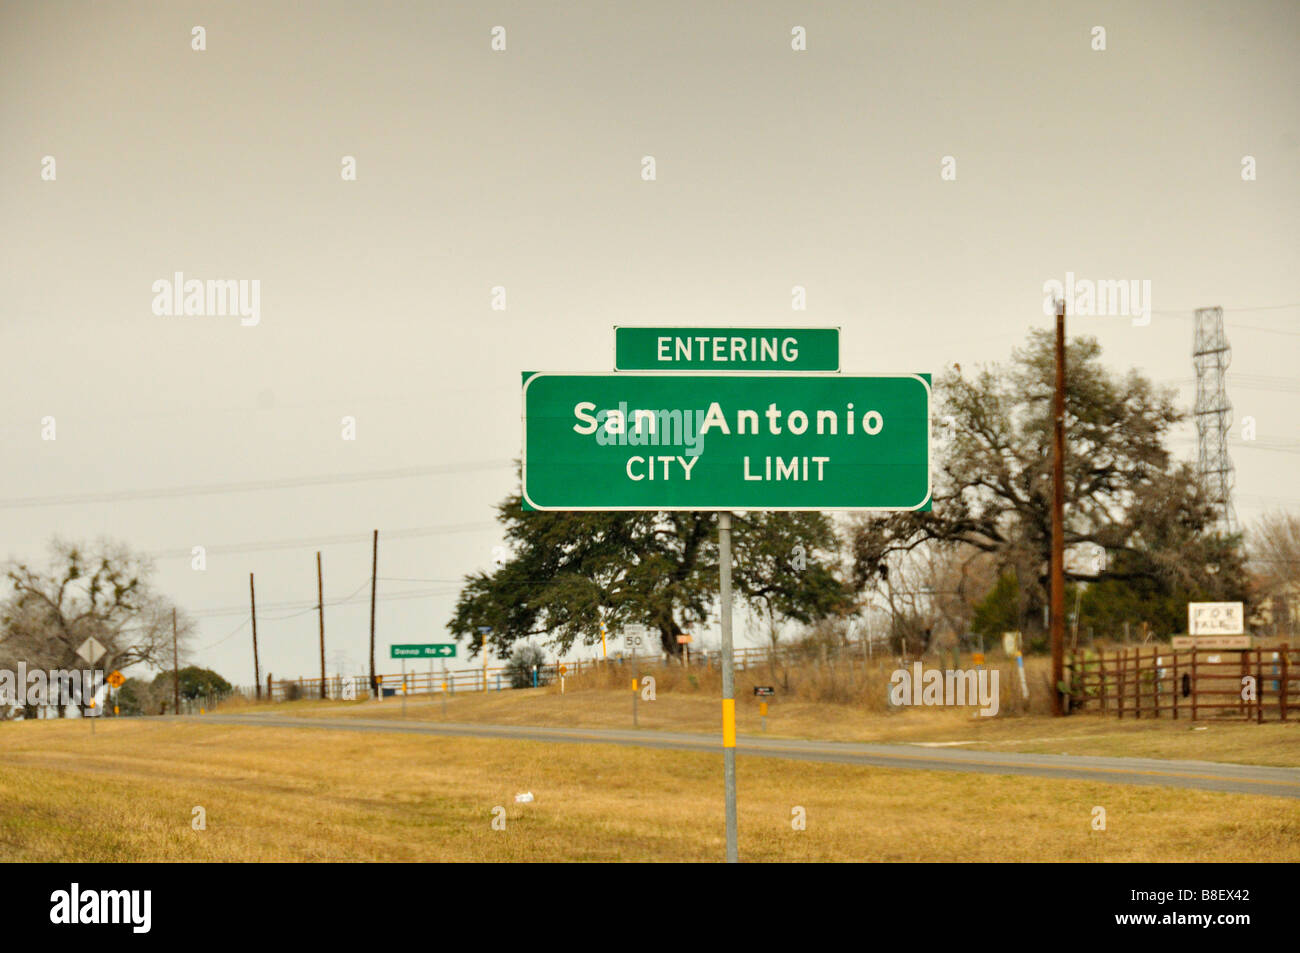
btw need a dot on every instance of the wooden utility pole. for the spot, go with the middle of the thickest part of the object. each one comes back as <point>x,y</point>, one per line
<point>1058,516</point>
<point>257,670</point>
<point>374,582</point>
<point>320,605</point>
<point>176,668</point>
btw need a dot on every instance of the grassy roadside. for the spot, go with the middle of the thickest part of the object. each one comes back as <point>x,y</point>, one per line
<point>128,792</point>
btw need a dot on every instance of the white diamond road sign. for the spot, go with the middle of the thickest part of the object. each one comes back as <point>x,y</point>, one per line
<point>91,650</point>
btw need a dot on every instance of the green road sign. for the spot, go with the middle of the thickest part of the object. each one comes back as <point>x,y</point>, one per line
<point>427,650</point>
<point>743,350</point>
<point>697,442</point>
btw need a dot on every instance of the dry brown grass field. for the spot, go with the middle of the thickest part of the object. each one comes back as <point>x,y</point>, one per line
<point>688,701</point>
<point>127,792</point>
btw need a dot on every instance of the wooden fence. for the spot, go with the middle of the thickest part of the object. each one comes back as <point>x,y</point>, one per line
<point>1157,681</point>
<point>436,681</point>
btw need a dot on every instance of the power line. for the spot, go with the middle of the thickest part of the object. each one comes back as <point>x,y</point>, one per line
<point>1187,312</point>
<point>311,606</point>
<point>229,635</point>
<point>253,486</point>
<point>315,541</point>
<point>1234,325</point>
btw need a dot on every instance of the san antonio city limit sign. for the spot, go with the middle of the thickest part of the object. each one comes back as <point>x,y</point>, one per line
<point>668,441</point>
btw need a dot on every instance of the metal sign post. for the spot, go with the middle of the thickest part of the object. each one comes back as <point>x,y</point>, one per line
<point>728,683</point>
<point>719,420</point>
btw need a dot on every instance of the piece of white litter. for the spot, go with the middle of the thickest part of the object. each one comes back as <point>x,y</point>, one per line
<point>1202,728</point>
<point>524,798</point>
<point>942,744</point>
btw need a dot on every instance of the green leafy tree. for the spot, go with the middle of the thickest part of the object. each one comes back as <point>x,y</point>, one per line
<point>993,485</point>
<point>133,697</point>
<point>201,682</point>
<point>999,611</point>
<point>571,571</point>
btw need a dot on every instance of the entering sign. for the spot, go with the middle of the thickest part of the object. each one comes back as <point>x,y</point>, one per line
<point>426,650</point>
<point>744,350</point>
<point>697,442</point>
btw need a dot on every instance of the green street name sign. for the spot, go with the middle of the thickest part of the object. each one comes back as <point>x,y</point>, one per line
<point>740,350</point>
<point>699,442</point>
<point>427,650</point>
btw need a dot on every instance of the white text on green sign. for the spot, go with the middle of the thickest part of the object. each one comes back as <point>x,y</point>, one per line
<point>696,442</point>
<point>744,350</point>
<point>426,650</point>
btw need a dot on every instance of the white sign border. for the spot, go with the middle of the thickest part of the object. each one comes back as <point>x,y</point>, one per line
<point>523,460</point>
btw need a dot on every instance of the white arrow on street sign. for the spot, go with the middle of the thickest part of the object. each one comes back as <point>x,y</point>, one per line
<point>91,650</point>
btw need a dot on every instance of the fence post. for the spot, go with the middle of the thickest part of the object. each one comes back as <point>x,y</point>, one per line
<point>1282,685</point>
<point>1137,682</point>
<point>1101,677</point>
<point>1177,685</point>
<point>1155,681</point>
<point>1119,681</point>
<point>1195,685</point>
<point>1259,686</point>
<point>1245,670</point>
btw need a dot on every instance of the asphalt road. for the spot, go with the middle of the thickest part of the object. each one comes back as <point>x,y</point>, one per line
<point>1202,775</point>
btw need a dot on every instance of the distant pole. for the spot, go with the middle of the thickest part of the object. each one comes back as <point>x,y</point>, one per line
<point>1058,516</point>
<point>320,605</point>
<point>176,667</point>
<point>257,671</point>
<point>728,684</point>
<point>374,583</point>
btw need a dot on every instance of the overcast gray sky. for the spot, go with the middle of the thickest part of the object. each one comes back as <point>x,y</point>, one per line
<point>522,169</point>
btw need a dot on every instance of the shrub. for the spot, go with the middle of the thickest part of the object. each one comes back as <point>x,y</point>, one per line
<point>520,667</point>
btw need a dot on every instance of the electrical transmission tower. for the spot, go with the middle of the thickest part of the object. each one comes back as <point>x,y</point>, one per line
<point>1211,355</point>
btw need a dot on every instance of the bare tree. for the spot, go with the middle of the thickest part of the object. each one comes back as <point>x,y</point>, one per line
<point>1274,545</point>
<point>98,591</point>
